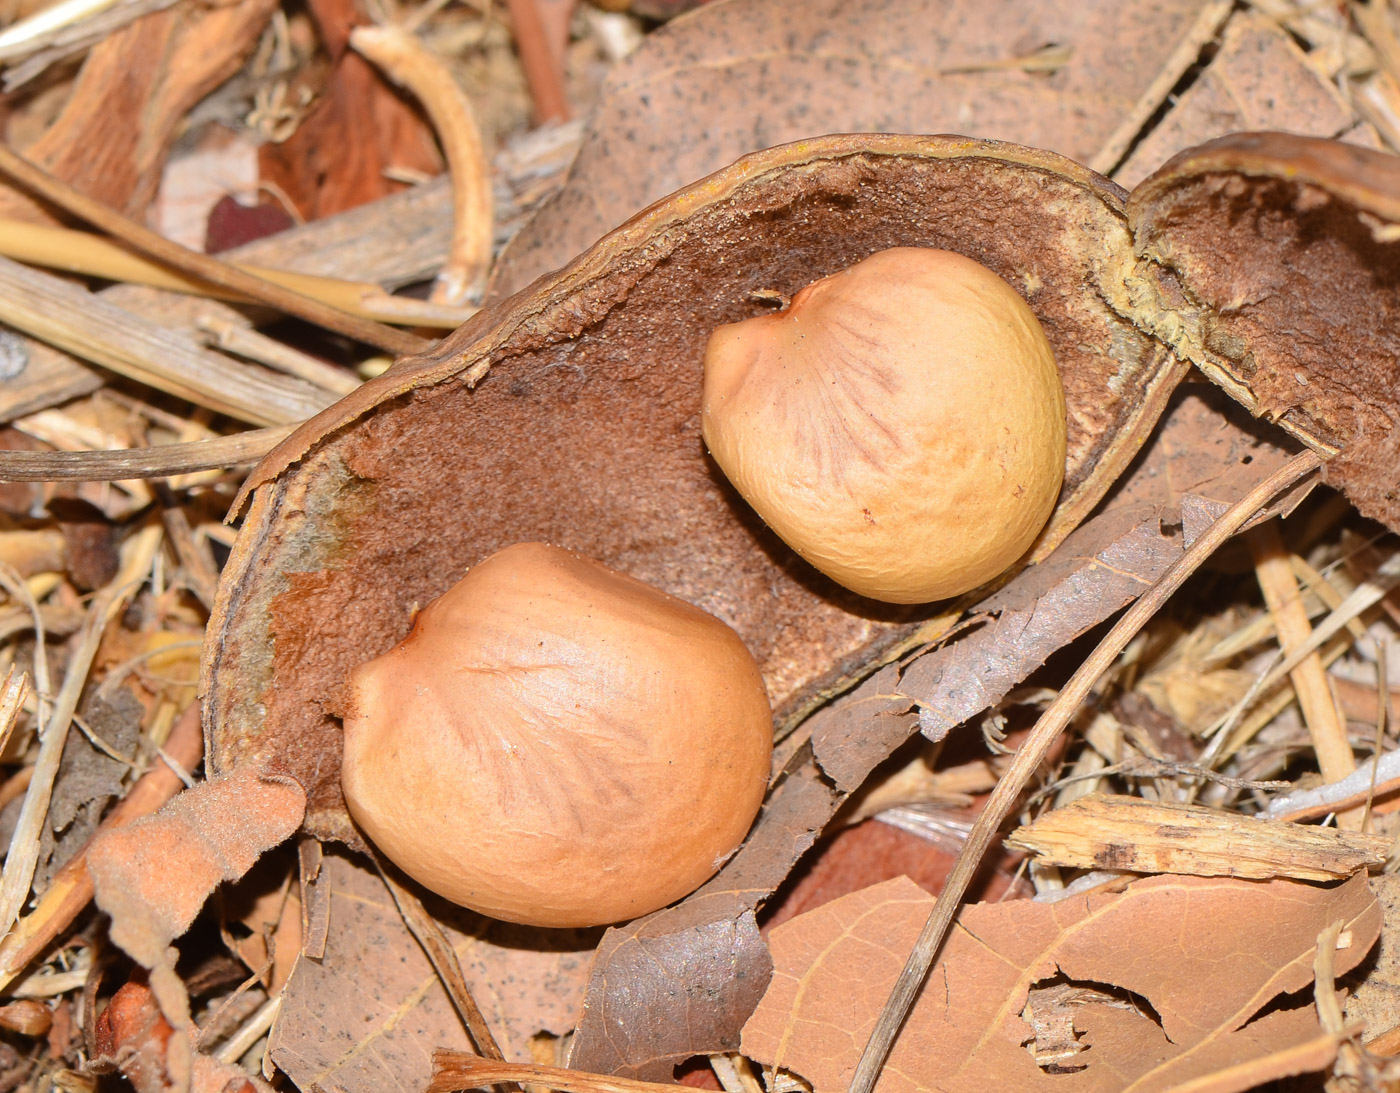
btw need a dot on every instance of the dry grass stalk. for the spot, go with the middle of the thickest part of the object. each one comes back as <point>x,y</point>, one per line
<point>94,256</point>
<point>23,856</point>
<point>160,461</point>
<point>73,319</point>
<point>1138,836</point>
<point>410,64</point>
<point>453,1070</point>
<point>1274,571</point>
<point>254,346</point>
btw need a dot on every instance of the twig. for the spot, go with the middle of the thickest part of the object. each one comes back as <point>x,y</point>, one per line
<point>444,961</point>
<point>411,65</point>
<point>160,461</point>
<point>201,574</point>
<point>96,256</point>
<point>453,1070</point>
<point>1382,723</point>
<point>255,346</point>
<point>23,856</point>
<point>1274,571</point>
<point>12,693</point>
<point>71,889</point>
<point>542,72</point>
<point>202,266</point>
<point>250,1032</point>
<point>1051,723</point>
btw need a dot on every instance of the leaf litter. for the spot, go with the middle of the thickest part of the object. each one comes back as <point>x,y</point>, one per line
<point>684,982</point>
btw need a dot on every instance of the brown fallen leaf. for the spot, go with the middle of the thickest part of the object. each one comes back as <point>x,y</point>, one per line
<point>359,127</point>
<point>1191,950</point>
<point>683,104</point>
<point>1135,835</point>
<point>130,99</point>
<point>367,1014</point>
<point>1259,79</point>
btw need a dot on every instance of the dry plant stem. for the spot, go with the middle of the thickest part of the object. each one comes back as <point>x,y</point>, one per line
<point>59,193</point>
<point>1049,726</point>
<point>71,888</point>
<point>96,256</point>
<point>458,1070</point>
<point>160,461</point>
<point>69,317</point>
<point>541,70</point>
<point>1274,571</point>
<point>250,1032</point>
<point>24,845</point>
<point>200,571</point>
<point>444,960</point>
<point>247,342</point>
<point>411,65</point>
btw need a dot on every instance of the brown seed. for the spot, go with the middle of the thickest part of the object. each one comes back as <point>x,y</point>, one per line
<point>901,425</point>
<point>558,744</point>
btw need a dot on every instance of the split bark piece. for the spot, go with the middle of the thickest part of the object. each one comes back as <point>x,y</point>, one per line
<point>1138,836</point>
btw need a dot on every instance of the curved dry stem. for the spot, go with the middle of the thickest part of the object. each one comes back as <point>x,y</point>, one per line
<point>411,65</point>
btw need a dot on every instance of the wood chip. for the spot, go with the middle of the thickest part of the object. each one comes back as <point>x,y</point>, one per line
<point>1138,836</point>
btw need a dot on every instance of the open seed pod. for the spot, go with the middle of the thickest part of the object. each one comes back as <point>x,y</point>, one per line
<point>1280,277</point>
<point>569,413</point>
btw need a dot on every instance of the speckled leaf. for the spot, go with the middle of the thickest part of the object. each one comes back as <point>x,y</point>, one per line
<point>1077,78</point>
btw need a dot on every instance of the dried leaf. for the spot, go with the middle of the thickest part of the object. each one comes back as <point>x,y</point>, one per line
<point>1191,948</point>
<point>336,158</point>
<point>367,1015</point>
<point>153,875</point>
<point>1258,80</point>
<point>683,104</point>
<point>1134,835</point>
<point>875,851</point>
